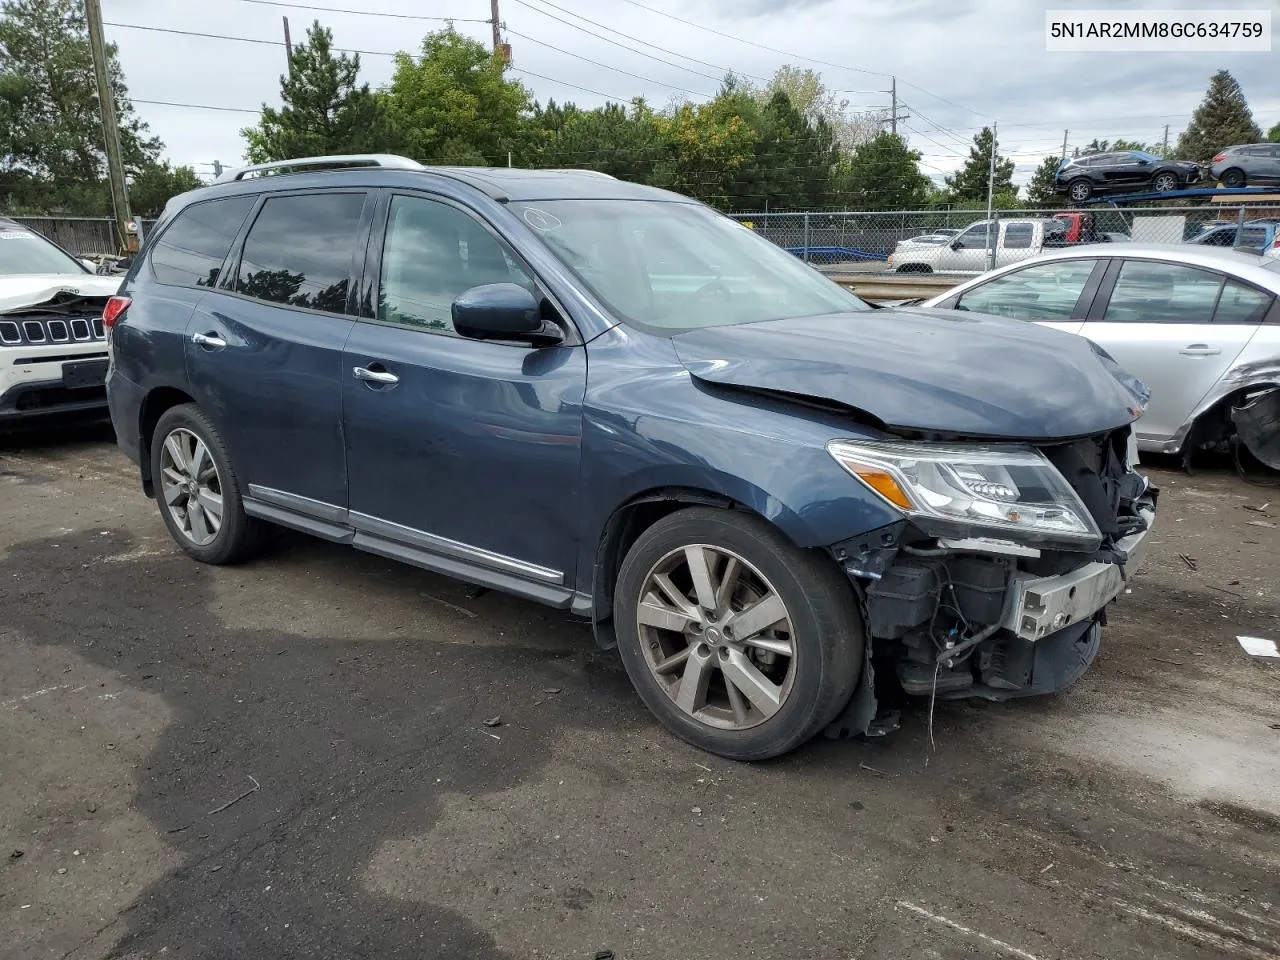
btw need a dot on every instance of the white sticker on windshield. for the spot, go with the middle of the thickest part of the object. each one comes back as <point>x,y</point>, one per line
<point>541,219</point>
<point>16,235</point>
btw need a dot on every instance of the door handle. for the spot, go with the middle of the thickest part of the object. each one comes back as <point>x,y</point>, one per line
<point>1199,350</point>
<point>383,378</point>
<point>209,340</point>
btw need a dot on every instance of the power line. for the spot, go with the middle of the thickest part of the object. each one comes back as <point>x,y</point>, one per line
<point>645,43</point>
<point>798,56</point>
<point>194,106</point>
<point>566,83</point>
<point>598,36</point>
<point>364,13</point>
<point>525,36</point>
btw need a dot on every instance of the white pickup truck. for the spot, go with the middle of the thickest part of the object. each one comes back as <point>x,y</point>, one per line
<point>970,251</point>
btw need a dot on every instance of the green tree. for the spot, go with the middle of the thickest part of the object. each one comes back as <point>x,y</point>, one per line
<point>153,185</point>
<point>882,174</point>
<point>325,110</point>
<point>1222,119</point>
<point>51,143</point>
<point>1040,189</point>
<point>795,156</point>
<point>612,139</point>
<point>706,147</point>
<point>969,183</point>
<point>453,103</point>
<point>1274,134</point>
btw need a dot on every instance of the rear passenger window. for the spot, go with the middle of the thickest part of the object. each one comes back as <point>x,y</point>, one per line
<point>299,251</point>
<point>1154,292</point>
<point>190,252</point>
<point>1241,304</point>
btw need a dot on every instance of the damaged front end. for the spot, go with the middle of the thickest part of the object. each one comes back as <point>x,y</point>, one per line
<point>996,581</point>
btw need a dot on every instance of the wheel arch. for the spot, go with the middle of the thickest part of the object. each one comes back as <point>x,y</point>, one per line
<point>152,408</point>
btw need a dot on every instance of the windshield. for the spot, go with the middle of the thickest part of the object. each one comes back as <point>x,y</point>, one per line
<point>671,267</point>
<point>24,252</point>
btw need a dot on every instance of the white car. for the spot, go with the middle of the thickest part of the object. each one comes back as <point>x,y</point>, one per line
<point>970,251</point>
<point>53,354</point>
<point>1200,326</point>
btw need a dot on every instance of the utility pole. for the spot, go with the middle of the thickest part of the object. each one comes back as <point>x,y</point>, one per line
<point>894,115</point>
<point>991,185</point>
<point>217,168</point>
<point>1064,144</point>
<point>1164,146</point>
<point>288,46</point>
<point>110,129</point>
<point>497,32</point>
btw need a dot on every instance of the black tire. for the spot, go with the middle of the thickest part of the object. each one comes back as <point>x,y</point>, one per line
<point>238,535</point>
<point>1164,182</point>
<point>828,637</point>
<point>915,268</point>
<point>1080,189</point>
<point>1233,178</point>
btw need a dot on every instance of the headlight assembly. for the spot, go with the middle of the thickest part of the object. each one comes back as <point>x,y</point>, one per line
<point>973,490</point>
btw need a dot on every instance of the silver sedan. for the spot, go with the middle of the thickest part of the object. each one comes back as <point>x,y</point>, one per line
<point>1200,326</point>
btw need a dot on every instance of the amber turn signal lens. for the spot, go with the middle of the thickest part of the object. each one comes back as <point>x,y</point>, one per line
<point>883,483</point>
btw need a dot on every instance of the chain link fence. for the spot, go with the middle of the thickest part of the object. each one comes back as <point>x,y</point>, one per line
<point>911,240</point>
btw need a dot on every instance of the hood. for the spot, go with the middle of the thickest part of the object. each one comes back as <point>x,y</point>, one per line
<point>31,290</point>
<point>922,370</point>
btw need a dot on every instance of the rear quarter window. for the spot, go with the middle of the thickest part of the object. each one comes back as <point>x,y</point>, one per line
<point>191,251</point>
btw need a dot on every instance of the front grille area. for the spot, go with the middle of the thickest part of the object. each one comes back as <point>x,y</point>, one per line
<point>81,329</point>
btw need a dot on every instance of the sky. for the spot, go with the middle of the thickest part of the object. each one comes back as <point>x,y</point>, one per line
<point>959,64</point>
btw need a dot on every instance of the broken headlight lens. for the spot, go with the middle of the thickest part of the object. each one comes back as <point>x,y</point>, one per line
<point>971,490</point>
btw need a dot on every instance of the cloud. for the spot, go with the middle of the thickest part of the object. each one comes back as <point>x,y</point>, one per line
<point>958,65</point>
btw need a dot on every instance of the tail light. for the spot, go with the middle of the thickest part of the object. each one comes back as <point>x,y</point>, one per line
<point>1219,158</point>
<point>114,310</point>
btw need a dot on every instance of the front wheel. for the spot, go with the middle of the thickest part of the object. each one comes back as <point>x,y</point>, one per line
<point>1164,182</point>
<point>197,490</point>
<point>740,642</point>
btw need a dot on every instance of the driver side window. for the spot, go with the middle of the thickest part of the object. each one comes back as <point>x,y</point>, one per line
<point>432,253</point>
<point>976,236</point>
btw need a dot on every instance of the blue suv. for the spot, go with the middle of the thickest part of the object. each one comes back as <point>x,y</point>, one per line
<point>779,503</point>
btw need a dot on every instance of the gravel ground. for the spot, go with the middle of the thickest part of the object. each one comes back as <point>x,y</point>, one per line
<point>289,759</point>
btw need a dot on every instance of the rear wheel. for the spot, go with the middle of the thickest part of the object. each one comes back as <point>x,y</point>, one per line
<point>1080,190</point>
<point>1164,182</point>
<point>740,642</point>
<point>197,489</point>
<point>1233,178</point>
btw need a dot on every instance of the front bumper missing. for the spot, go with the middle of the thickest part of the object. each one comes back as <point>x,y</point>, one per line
<point>1040,606</point>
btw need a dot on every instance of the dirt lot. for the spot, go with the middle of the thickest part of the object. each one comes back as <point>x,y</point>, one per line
<point>289,759</point>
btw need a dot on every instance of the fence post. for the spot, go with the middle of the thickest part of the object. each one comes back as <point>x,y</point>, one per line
<point>993,239</point>
<point>806,238</point>
<point>1239,224</point>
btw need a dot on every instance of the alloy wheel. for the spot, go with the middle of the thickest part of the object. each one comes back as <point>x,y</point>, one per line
<point>191,486</point>
<point>1080,191</point>
<point>1165,182</point>
<point>717,637</point>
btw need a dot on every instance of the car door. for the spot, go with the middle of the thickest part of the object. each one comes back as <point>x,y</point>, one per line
<point>1268,164</point>
<point>463,455</point>
<point>1054,294</point>
<point>1157,319</point>
<point>264,352</point>
<point>969,251</point>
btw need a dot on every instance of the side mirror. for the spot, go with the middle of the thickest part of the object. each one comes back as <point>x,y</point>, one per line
<point>502,311</point>
<point>957,244</point>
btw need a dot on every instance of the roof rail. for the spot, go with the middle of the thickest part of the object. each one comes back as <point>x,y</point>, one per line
<point>598,173</point>
<point>308,164</point>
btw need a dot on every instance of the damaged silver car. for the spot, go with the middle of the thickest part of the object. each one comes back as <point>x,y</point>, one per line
<point>1200,327</point>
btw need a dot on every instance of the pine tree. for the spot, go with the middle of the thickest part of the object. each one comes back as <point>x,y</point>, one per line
<point>1274,134</point>
<point>969,183</point>
<point>1040,189</point>
<point>1222,119</point>
<point>882,174</point>
<point>324,111</point>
